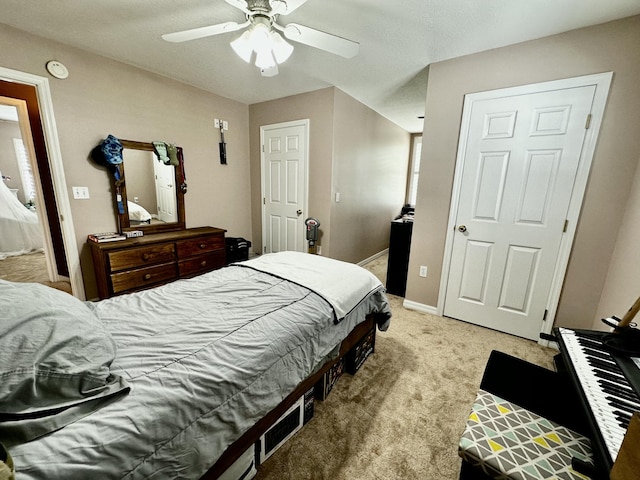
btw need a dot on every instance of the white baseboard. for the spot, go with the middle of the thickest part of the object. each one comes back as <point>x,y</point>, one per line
<point>373,257</point>
<point>421,307</point>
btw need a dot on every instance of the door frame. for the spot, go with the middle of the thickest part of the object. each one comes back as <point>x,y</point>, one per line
<point>602,82</point>
<point>24,125</point>
<point>263,128</point>
<point>45,104</point>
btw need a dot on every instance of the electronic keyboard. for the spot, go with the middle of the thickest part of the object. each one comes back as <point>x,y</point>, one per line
<point>607,383</point>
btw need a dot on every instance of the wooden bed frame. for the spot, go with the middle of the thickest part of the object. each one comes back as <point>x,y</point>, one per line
<point>252,435</point>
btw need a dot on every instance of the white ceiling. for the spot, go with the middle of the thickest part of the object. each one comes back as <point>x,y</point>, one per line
<point>398,39</point>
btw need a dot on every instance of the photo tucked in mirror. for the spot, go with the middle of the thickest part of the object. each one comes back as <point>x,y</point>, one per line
<point>153,201</point>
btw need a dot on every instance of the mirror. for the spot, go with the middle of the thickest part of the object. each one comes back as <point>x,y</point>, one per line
<point>152,192</point>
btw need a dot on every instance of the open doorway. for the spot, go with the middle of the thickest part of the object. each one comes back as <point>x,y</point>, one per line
<point>57,261</point>
<point>25,256</point>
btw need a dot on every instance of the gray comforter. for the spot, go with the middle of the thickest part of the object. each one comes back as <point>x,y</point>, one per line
<point>205,358</point>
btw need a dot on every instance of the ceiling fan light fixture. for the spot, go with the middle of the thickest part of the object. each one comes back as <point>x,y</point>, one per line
<point>264,59</point>
<point>242,46</point>
<point>282,49</point>
<point>266,37</point>
<point>260,36</point>
<point>269,72</point>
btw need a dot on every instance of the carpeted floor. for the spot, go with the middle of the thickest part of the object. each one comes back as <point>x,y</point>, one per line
<point>29,268</point>
<point>402,414</point>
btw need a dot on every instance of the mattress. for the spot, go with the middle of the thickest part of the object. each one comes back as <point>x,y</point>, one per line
<point>205,358</point>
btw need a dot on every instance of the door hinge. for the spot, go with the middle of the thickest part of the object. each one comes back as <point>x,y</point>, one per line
<point>566,225</point>
<point>264,200</point>
<point>264,249</point>
<point>544,317</point>
<point>263,148</point>
<point>586,126</point>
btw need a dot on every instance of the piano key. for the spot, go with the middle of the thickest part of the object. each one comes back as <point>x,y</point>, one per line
<point>623,419</point>
<point>596,353</point>
<point>608,394</point>
<point>613,389</point>
<point>618,402</point>
<point>608,375</point>
<point>617,390</point>
<point>608,366</point>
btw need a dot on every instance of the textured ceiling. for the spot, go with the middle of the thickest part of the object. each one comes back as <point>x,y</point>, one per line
<point>398,39</point>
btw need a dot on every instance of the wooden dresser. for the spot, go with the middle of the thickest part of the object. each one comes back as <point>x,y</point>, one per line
<point>154,259</point>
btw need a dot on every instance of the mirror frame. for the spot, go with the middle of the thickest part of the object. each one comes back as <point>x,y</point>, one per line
<point>124,224</point>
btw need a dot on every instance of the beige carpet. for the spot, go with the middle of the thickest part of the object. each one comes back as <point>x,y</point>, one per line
<point>31,267</point>
<point>402,414</point>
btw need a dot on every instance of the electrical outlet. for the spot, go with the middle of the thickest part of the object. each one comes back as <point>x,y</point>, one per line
<point>80,193</point>
<point>423,271</point>
<point>216,122</point>
<point>225,125</point>
<point>319,249</point>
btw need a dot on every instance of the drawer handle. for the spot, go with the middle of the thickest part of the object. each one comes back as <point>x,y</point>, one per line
<point>147,276</point>
<point>203,245</point>
<point>146,256</point>
<point>203,263</point>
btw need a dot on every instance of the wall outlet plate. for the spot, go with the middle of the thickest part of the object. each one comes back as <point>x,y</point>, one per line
<point>80,193</point>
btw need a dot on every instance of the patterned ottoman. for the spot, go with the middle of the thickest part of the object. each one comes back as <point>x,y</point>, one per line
<point>506,441</point>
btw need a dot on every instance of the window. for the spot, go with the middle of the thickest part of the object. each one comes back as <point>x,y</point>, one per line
<point>416,152</point>
<point>26,174</point>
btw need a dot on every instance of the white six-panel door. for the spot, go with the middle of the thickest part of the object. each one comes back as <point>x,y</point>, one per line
<point>284,186</point>
<point>520,164</point>
<point>165,177</point>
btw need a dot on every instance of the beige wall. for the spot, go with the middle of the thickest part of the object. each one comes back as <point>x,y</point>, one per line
<point>318,108</point>
<point>102,96</point>
<point>622,286</point>
<point>609,47</point>
<point>352,150</point>
<point>370,161</point>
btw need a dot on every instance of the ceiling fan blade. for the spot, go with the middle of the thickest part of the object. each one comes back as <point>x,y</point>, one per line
<point>285,7</point>
<point>324,41</point>
<point>202,32</point>
<point>241,4</point>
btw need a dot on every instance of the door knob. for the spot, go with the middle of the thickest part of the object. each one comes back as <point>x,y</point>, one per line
<point>462,228</point>
<point>299,212</point>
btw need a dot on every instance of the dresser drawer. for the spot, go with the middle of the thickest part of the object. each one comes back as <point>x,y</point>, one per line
<point>197,246</point>
<point>201,264</point>
<point>157,258</point>
<point>140,256</point>
<point>143,277</point>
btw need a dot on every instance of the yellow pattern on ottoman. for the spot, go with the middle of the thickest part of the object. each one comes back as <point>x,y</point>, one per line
<point>509,442</point>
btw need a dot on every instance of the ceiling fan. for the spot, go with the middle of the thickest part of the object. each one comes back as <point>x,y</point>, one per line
<point>262,35</point>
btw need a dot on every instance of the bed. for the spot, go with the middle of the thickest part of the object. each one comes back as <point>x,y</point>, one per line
<point>138,215</point>
<point>182,377</point>
<point>20,230</point>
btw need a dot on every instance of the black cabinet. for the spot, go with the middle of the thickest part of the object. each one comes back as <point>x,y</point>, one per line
<point>399,248</point>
